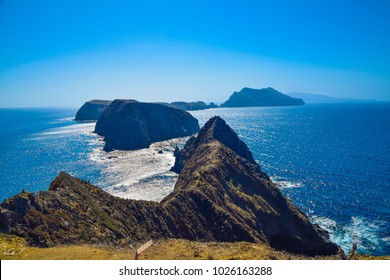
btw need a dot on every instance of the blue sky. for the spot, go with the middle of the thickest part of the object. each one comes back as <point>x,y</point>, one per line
<point>62,53</point>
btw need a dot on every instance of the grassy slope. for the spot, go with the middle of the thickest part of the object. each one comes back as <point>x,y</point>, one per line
<point>15,248</point>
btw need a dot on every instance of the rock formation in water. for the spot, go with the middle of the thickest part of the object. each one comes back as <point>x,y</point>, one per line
<point>192,106</point>
<point>249,97</point>
<point>130,125</point>
<point>221,195</point>
<point>91,110</point>
<point>189,106</point>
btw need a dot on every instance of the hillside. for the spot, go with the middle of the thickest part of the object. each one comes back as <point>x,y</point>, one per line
<point>249,97</point>
<point>221,195</point>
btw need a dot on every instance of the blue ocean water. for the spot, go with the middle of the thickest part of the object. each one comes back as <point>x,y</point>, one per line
<point>36,144</point>
<point>332,160</point>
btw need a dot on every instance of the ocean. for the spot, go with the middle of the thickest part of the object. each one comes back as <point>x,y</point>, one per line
<point>332,160</point>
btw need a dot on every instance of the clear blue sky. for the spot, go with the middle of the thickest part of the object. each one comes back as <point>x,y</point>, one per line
<point>62,53</point>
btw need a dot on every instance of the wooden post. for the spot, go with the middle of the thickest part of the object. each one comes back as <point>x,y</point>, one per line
<point>143,248</point>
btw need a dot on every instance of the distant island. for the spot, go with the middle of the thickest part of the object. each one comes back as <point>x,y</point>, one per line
<point>249,97</point>
<point>131,125</point>
<point>91,110</point>
<point>191,106</point>
<point>320,98</point>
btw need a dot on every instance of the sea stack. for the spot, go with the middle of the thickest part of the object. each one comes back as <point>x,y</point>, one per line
<point>131,125</point>
<point>91,110</point>
<point>221,195</point>
<point>249,97</point>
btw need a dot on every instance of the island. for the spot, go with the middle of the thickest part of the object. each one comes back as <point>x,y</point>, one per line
<point>131,125</point>
<point>91,110</point>
<point>190,106</point>
<point>249,97</point>
<point>321,98</point>
<point>221,195</point>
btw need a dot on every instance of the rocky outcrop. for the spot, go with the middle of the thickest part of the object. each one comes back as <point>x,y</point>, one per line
<point>91,110</point>
<point>192,106</point>
<point>223,134</point>
<point>189,106</point>
<point>130,125</point>
<point>221,195</point>
<point>249,97</point>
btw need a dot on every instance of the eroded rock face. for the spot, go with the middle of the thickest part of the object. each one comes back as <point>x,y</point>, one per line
<point>215,129</point>
<point>131,125</point>
<point>221,195</point>
<point>249,97</point>
<point>91,110</point>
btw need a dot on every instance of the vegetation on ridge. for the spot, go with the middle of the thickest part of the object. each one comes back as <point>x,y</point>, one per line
<point>221,195</point>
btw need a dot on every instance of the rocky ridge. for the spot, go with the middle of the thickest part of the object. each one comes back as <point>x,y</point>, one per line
<point>221,195</point>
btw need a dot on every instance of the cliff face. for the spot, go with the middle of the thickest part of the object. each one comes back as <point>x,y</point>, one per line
<point>130,125</point>
<point>221,195</point>
<point>73,211</point>
<point>91,110</point>
<point>238,201</point>
<point>249,97</point>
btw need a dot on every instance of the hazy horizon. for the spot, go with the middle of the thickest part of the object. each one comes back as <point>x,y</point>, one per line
<point>63,53</point>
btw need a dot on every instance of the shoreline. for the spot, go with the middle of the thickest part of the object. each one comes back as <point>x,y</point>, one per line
<point>293,187</point>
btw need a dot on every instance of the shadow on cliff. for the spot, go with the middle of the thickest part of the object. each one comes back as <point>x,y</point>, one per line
<point>221,195</point>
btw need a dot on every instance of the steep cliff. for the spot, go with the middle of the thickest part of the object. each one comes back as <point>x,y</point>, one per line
<point>91,110</point>
<point>249,97</point>
<point>130,125</point>
<point>221,195</point>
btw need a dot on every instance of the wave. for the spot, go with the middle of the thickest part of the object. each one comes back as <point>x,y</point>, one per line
<point>285,184</point>
<point>64,131</point>
<point>139,174</point>
<point>365,234</point>
<point>80,128</point>
<point>62,120</point>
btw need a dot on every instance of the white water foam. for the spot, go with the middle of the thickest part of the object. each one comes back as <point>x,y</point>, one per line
<point>141,174</point>
<point>285,184</point>
<point>358,231</point>
<point>79,128</point>
<point>64,131</point>
<point>62,120</point>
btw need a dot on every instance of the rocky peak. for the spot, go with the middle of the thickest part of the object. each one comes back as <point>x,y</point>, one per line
<point>214,129</point>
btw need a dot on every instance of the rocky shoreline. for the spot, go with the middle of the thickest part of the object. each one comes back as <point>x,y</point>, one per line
<point>221,195</point>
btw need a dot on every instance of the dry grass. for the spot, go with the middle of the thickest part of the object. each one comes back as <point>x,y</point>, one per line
<point>175,249</point>
<point>16,248</point>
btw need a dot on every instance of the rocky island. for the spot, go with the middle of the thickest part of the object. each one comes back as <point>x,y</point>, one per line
<point>91,110</point>
<point>192,106</point>
<point>131,125</point>
<point>221,195</point>
<point>249,97</point>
